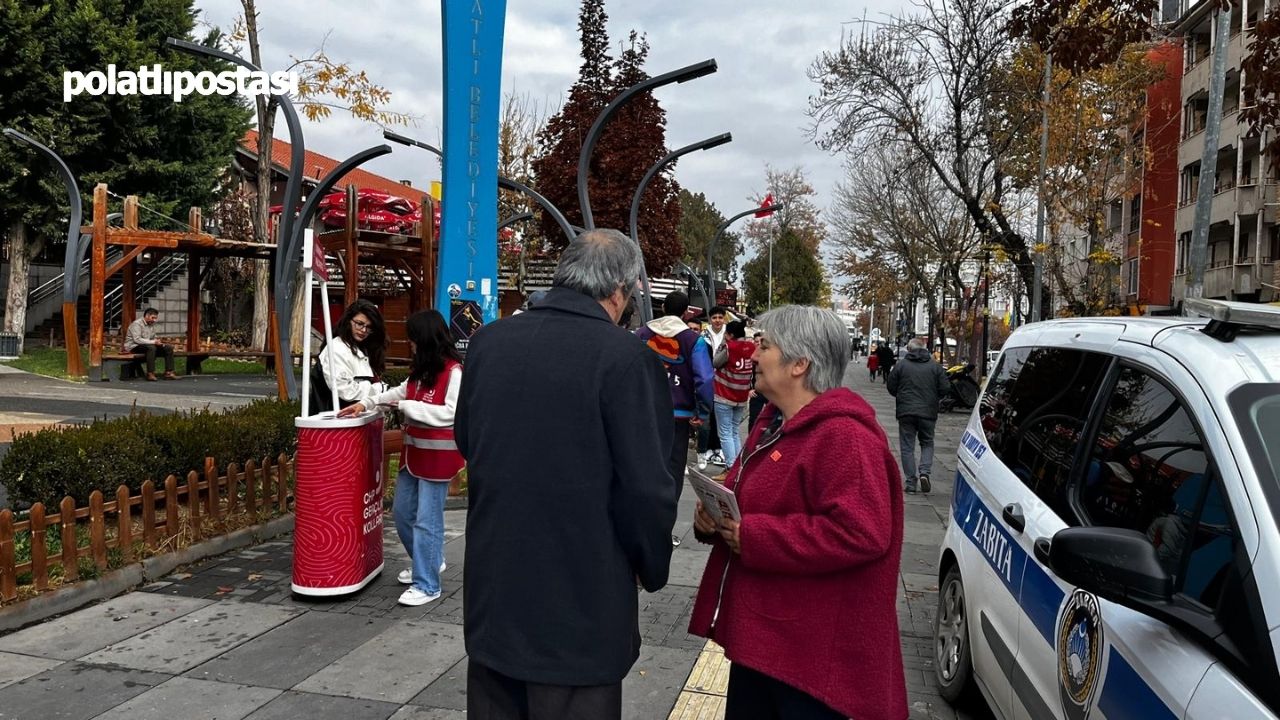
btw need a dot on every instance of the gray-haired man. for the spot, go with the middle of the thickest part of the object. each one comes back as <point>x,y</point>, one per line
<point>919,384</point>
<point>565,421</point>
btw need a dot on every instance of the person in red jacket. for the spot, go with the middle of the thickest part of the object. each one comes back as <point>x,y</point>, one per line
<point>801,591</point>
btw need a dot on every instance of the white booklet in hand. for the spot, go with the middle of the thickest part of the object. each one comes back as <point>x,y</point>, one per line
<point>717,500</point>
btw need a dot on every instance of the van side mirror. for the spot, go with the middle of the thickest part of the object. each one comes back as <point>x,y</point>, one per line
<point>1116,564</point>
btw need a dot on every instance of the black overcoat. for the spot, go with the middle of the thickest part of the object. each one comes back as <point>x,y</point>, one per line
<point>565,422</point>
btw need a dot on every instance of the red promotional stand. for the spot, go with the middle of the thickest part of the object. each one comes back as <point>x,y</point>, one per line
<point>338,483</point>
<point>337,536</point>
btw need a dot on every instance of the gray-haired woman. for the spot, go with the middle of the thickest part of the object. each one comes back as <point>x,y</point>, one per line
<point>801,591</point>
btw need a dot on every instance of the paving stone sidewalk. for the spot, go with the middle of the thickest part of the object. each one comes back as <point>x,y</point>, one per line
<point>227,639</point>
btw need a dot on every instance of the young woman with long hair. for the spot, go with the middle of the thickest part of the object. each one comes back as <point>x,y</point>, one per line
<point>430,458</point>
<point>357,357</point>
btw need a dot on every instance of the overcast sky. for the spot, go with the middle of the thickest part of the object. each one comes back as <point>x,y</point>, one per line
<point>759,94</point>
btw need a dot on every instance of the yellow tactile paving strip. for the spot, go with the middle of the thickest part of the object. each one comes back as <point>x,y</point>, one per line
<point>703,694</point>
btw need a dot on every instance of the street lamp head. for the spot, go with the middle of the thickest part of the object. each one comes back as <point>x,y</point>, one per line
<point>717,141</point>
<point>396,137</point>
<point>695,71</point>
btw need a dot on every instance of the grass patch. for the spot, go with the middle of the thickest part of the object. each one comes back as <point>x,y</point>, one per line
<point>52,362</point>
<point>47,361</point>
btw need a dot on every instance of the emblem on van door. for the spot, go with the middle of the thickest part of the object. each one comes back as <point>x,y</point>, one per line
<point>1079,654</point>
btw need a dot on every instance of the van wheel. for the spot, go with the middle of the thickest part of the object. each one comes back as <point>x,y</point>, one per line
<point>952,659</point>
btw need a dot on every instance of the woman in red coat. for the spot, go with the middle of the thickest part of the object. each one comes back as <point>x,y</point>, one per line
<point>801,593</point>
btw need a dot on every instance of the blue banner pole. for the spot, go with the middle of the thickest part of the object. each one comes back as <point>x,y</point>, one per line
<point>467,285</point>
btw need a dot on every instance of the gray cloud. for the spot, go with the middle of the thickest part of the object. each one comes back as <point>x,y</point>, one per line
<point>759,93</point>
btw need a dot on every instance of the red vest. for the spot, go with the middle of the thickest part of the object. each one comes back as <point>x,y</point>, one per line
<point>733,380</point>
<point>430,453</point>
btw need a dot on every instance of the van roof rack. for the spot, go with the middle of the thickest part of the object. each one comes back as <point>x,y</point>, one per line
<point>1227,318</point>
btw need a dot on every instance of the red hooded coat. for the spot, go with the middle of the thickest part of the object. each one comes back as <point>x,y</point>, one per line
<point>811,600</point>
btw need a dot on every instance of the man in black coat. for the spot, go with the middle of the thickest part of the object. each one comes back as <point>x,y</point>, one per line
<point>565,421</point>
<point>919,384</point>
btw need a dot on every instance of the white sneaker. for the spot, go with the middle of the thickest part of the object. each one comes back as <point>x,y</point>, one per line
<point>717,458</point>
<point>406,576</point>
<point>702,461</point>
<point>414,597</point>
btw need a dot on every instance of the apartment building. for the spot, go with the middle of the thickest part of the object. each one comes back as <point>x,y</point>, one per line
<point>1244,240</point>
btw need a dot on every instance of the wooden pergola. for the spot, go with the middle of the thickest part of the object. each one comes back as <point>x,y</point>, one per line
<point>200,248</point>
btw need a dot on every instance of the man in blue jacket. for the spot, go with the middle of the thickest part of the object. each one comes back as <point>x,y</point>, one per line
<point>565,421</point>
<point>687,359</point>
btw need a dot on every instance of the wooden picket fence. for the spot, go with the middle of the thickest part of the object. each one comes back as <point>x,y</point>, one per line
<point>150,523</point>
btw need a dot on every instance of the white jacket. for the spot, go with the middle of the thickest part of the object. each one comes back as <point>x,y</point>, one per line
<point>348,364</point>
<point>421,413</point>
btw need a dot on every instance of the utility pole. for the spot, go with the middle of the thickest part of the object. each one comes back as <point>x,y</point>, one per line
<point>1209,158</point>
<point>1040,200</point>
<point>986,309</point>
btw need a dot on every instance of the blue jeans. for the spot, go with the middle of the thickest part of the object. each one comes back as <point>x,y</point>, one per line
<point>419,514</point>
<point>729,423</point>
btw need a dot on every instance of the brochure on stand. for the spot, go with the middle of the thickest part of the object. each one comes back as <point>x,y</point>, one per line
<point>719,501</point>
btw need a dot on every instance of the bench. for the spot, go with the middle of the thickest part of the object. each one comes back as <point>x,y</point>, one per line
<point>128,366</point>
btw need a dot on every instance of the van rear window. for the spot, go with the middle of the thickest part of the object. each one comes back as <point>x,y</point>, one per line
<point>1264,418</point>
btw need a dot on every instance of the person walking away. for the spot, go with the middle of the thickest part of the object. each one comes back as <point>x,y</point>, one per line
<point>801,592</point>
<point>565,422</point>
<point>873,364</point>
<point>887,359</point>
<point>430,458</point>
<point>140,340</point>
<point>734,370</point>
<point>356,358</point>
<point>918,384</point>
<point>687,362</point>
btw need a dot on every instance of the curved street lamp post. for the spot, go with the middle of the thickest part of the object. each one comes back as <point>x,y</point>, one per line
<point>642,294</point>
<point>711,248</point>
<point>684,74</point>
<point>503,182</point>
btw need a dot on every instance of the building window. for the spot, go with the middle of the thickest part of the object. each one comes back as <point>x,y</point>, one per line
<point>1184,251</point>
<point>1190,184</point>
<point>1273,252</point>
<point>1117,215</point>
<point>1135,213</point>
<point>1132,279</point>
<point>1245,254</point>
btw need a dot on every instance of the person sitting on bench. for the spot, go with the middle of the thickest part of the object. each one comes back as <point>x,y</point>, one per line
<point>140,339</point>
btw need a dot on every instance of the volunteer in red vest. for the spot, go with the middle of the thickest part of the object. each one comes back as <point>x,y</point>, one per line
<point>430,457</point>
<point>734,368</point>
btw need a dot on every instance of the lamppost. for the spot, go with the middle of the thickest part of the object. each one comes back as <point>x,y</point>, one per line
<point>986,308</point>
<point>684,74</point>
<point>507,183</point>
<point>288,241</point>
<point>646,307</point>
<point>711,249</point>
<point>77,246</point>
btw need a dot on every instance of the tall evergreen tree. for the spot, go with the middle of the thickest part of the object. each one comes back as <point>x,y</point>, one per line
<point>632,142</point>
<point>170,154</point>
<point>797,274</point>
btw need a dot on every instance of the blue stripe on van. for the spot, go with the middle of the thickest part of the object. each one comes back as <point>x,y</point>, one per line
<point>1124,693</point>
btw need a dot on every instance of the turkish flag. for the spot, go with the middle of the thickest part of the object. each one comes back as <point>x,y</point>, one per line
<point>768,203</point>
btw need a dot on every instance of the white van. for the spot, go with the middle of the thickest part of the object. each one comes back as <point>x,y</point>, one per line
<point>1113,550</point>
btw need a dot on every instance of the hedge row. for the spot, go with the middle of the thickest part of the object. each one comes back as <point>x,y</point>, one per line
<point>75,460</point>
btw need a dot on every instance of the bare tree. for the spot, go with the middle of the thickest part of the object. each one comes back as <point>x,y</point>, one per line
<point>930,80</point>
<point>893,208</point>
<point>523,118</point>
<point>324,85</point>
